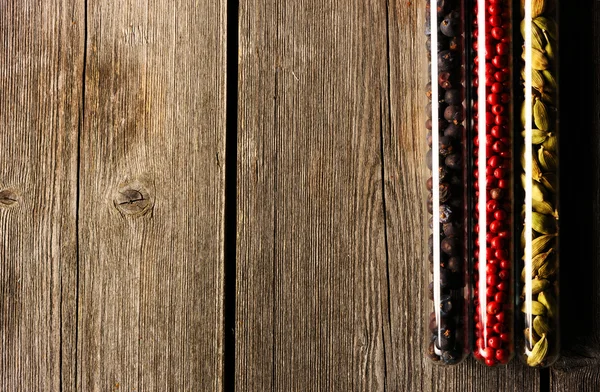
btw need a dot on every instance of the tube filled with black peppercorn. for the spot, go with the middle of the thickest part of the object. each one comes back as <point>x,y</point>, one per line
<point>493,185</point>
<point>448,332</point>
<point>538,335</point>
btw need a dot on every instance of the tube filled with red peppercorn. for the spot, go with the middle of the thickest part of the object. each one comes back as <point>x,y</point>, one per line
<point>493,184</point>
<point>447,327</point>
<point>537,325</point>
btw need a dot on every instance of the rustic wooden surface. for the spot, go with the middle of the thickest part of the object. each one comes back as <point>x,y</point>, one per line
<point>114,258</point>
<point>41,59</point>
<point>151,271</point>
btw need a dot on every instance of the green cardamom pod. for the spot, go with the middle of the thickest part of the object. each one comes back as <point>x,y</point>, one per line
<point>547,160</point>
<point>538,192</point>
<point>538,39</point>
<point>537,286</point>
<point>536,171</point>
<point>541,325</point>
<point>547,300</point>
<point>549,49</point>
<point>551,143</point>
<point>537,136</point>
<point>538,81</point>
<point>539,244</point>
<point>544,224</point>
<point>540,115</point>
<point>530,337</point>
<point>549,181</point>
<point>539,60</point>
<point>537,7</point>
<point>547,25</point>
<point>543,207</point>
<point>537,261</point>
<point>536,308</point>
<point>539,352</point>
<point>548,269</point>
<point>550,80</point>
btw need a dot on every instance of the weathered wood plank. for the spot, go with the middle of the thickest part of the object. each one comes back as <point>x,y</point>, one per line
<point>404,147</point>
<point>311,282</point>
<point>152,196</point>
<point>41,61</point>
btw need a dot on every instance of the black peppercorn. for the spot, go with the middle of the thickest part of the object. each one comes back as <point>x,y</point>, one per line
<point>443,7</point>
<point>445,339</point>
<point>454,114</point>
<point>429,184</point>
<point>454,264</point>
<point>450,26</point>
<point>453,161</point>
<point>450,229</point>
<point>455,44</point>
<point>453,97</point>
<point>445,304</point>
<point>444,192</point>
<point>451,357</point>
<point>447,60</point>
<point>454,131</point>
<point>444,80</point>
<point>443,170</point>
<point>448,246</point>
<point>428,159</point>
<point>446,147</point>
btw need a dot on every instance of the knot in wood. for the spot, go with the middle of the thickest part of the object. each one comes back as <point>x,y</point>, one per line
<point>8,198</point>
<point>133,200</point>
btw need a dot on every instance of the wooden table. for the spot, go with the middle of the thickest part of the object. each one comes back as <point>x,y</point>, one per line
<point>196,196</point>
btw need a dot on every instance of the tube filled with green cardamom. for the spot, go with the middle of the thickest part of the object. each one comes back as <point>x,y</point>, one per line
<point>538,334</point>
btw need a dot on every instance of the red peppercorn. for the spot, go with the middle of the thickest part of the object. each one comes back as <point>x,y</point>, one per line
<point>501,317</point>
<point>502,355</point>
<point>493,307</point>
<point>501,297</point>
<point>498,243</point>
<point>495,20</point>
<point>501,254</point>
<point>498,33</point>
<point>504,274</point>
<point>495,227</point>
<point>487,352</point>
<point>490,361</point>
<point>494,342</point>
<point>497,88</point>
<point>499,328</point>
<point>500,215</point>
<point>502,48</point>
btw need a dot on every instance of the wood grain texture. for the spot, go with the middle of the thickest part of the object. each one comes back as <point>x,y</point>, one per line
<point>41,61</point>
<point>152,197</point>
<point>311,283</point>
